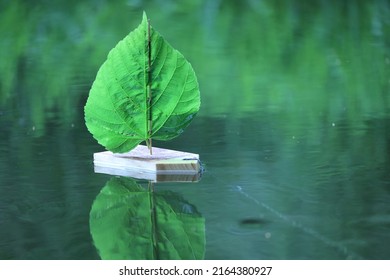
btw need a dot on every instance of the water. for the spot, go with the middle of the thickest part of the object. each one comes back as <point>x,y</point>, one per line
<point>294,128</point>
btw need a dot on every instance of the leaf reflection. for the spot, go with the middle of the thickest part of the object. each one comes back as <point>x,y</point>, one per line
<point>128,221</point>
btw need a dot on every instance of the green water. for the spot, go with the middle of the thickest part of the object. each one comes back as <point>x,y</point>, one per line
<point>294,127</point>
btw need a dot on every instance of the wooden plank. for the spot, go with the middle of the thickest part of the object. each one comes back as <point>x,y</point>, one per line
<point>149,176</point>
<point>162,165</point>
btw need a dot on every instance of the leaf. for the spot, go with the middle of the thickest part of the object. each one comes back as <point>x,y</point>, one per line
<point>122,225</point>
<point>140,95</point>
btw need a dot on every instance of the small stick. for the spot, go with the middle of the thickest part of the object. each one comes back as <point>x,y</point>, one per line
<point>149,142</point>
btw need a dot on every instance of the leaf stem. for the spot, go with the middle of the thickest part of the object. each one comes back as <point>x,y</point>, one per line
<point>149,105</point>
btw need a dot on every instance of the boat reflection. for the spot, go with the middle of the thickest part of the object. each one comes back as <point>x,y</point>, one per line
<point>129,220</point>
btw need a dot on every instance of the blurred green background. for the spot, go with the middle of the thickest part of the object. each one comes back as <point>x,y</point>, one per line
<point>295,111</point>
<point>306,59</point>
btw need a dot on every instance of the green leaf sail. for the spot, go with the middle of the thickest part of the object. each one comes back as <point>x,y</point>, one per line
<point>117,112</point>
